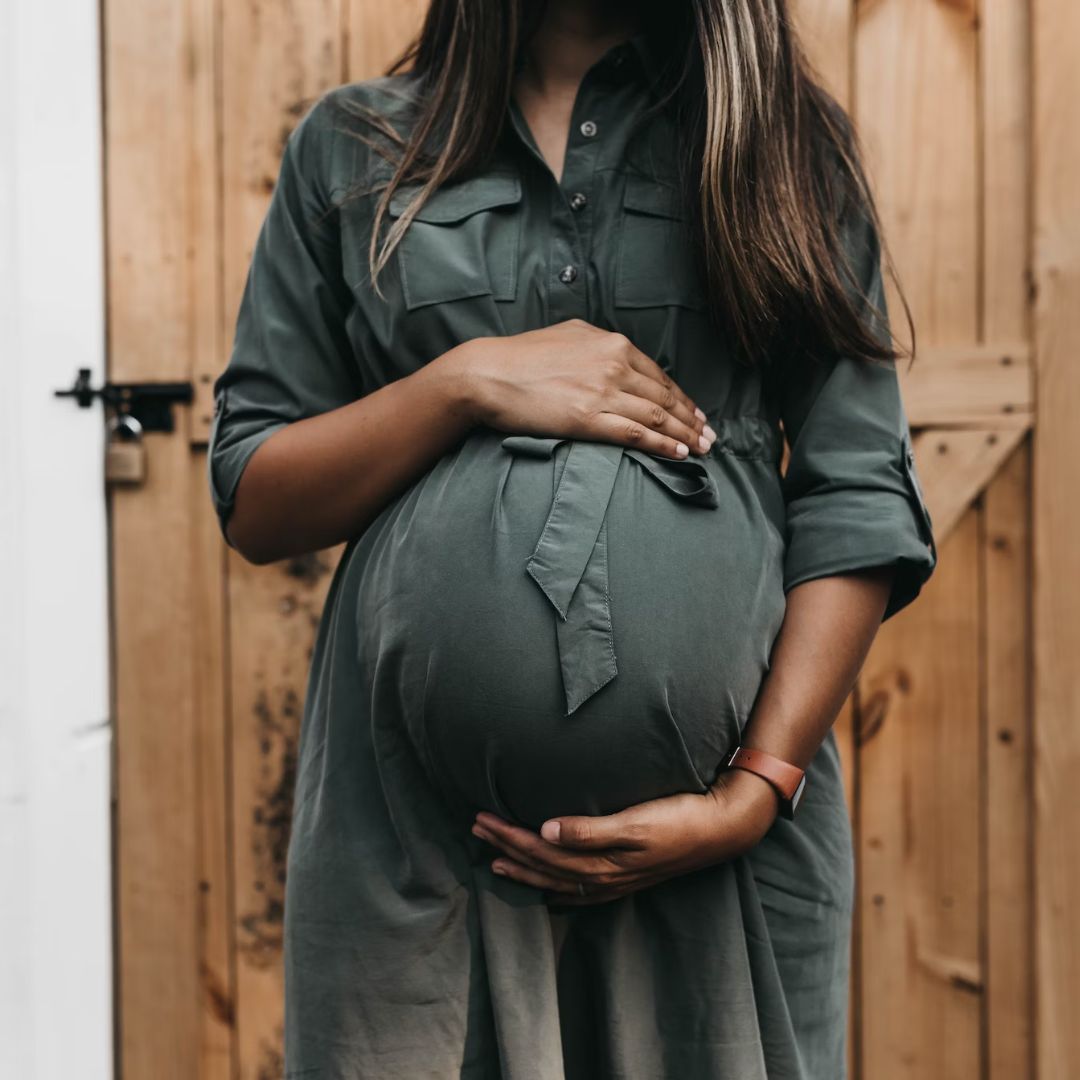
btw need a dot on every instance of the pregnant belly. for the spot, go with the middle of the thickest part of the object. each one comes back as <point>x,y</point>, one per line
<point>567,627</point>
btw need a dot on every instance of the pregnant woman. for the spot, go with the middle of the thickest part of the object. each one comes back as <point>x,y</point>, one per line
<point>526,326</point>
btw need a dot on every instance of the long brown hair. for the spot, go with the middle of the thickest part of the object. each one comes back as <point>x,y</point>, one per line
<point>769,162</point>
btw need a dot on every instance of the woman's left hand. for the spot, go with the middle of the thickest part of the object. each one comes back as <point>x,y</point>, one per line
<point>590,860</point>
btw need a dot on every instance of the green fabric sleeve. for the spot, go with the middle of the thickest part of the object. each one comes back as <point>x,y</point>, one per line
<point>852,492</point>
<point>291,356</point>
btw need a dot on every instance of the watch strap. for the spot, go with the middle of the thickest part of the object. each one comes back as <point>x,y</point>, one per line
<point>788,780</point>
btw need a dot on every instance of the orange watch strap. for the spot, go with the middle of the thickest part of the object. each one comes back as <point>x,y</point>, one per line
<point>788,780</point>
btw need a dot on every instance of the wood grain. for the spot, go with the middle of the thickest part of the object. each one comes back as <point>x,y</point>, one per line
<point>1007,809</point>
<point>916,106</point>
<point>826,29</point>
<point>1005,86</point>
<point>1056,29</point>
<point>920,782</point>
<point>955,465</point>
<point>160,210</point>
<point>920,834</point>
<point>377,32</point>
<point>981,386</point>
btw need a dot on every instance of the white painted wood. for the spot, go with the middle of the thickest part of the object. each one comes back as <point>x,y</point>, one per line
<point>55,897</point>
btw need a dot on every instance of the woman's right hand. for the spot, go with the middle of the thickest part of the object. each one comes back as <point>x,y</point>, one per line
<point>578,381</point>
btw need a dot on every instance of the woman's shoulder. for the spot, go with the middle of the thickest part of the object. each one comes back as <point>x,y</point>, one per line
<point>392,98</point>
<point>336,139</point>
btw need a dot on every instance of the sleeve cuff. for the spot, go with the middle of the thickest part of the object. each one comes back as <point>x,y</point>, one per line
<point>225,464</point>
<point>854,529</point>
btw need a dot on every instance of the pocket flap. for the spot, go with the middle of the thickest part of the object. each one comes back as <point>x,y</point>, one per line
<point>460,199</point>
<point>646,195</point>
<point>748,436</point>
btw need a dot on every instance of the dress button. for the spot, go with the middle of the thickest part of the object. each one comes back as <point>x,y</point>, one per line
<point>577,200</point>
<point>588,129</point>
<point>568,274</point>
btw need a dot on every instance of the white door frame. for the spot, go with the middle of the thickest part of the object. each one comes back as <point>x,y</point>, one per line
<point>56,1011</point>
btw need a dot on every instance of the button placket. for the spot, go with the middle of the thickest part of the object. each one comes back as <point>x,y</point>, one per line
<point>603,102</point>
<point>571,222</point>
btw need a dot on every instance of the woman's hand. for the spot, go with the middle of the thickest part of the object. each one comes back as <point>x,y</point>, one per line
<point>616,854</point>
<point>578,381</point>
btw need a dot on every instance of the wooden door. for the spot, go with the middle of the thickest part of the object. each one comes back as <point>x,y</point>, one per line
<point>211,652</point>
<point>940,741</point>
<point>938,737</point>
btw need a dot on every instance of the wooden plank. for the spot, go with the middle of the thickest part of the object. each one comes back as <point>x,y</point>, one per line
<point>161,254</point>
<point>204,178</point>
<point>156,784</point>
<point>916,106</point>
<point>1007,806</point>
<point>919,782</point>
<point>278,58</point>
<point>378,31</point>
<point>1056,29</point>
<point>1005,85</point>
<point>979,385</point>
<point>217,1033</point>
<point>919,854</point>
<point>217,1046</point>
<point>1005,78</point>
<point>955,464</point>
<point>825,28</point>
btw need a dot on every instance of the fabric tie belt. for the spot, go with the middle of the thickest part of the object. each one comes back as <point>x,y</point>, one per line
<point>570,563</point>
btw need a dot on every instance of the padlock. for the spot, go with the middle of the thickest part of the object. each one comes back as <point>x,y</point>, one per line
<point>125,454</point>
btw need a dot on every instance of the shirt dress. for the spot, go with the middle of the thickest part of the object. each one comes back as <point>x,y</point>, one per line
<point>545,626</point>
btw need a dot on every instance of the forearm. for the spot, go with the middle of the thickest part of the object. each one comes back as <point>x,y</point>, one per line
<point>323,479</point>
<point>828,628</point>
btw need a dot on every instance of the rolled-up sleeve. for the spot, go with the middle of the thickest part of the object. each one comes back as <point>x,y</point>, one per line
<point>291,356</point>
<point>852,493</point>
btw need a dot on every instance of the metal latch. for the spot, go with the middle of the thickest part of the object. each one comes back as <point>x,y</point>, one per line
<point>150,403</point>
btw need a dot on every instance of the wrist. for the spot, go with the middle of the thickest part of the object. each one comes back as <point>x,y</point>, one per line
<point>462,382</point>
<point>750,796</point>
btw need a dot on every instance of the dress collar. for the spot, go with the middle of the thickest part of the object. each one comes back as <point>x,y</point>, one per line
<point>644,45</point>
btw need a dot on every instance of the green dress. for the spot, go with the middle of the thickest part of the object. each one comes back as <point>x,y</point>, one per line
<point>545,626</point>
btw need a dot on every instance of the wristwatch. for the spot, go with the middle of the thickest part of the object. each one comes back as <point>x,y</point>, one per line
<point>788,780</point>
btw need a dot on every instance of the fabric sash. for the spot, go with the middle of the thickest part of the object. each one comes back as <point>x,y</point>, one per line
<point>570,562</point>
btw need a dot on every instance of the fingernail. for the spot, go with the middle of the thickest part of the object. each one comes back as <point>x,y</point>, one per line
<point>698,413</point>
<point>498,868</point>
<point>704,443</point>
<point>682,449</point>
<point>550,831</point>
<point>709,434</point>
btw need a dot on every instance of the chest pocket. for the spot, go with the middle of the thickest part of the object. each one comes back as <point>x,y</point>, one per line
<point>654,261</point>
<point>463,242</point>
